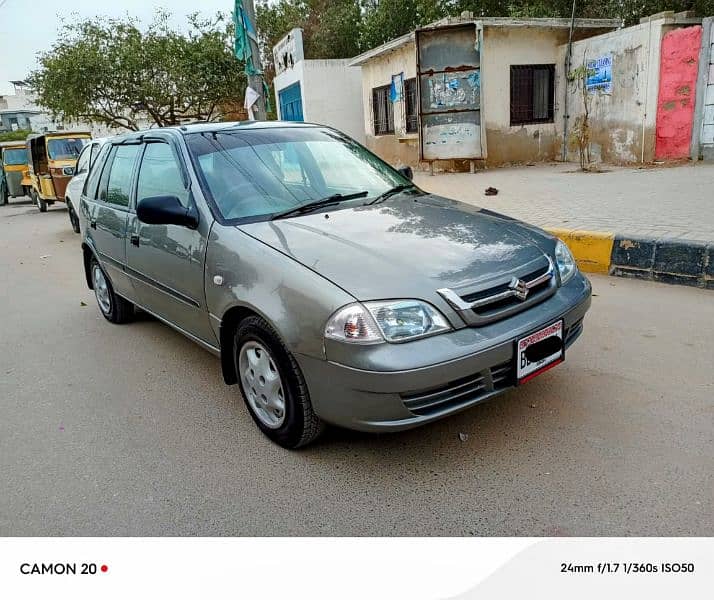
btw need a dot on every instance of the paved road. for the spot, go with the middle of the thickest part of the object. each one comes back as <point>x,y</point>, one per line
<point>662,202</point>
<point>128,430</point>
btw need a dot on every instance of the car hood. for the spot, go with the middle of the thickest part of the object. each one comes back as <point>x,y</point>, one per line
<point>406,247</point>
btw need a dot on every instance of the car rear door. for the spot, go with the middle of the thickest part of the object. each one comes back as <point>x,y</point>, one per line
<point>109,213</point>
<point>166,262</point>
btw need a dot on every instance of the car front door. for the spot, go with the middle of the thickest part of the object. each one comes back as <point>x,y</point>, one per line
<point>109,212</point>
<point>166,262</point>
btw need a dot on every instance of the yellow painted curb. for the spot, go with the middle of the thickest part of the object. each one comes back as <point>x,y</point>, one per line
<point>592,249</point>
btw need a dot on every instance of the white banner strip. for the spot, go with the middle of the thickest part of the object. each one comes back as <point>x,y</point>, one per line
<point>357,568</point>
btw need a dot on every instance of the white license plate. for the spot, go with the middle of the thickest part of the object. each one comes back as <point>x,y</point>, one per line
<point>539,351</point>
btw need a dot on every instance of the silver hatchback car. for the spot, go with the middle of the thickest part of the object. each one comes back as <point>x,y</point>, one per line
<point>332,288</point>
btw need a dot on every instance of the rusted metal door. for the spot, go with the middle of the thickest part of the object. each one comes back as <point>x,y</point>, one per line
<point>449,75</point>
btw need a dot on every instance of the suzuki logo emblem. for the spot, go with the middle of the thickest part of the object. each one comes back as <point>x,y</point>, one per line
<point>519,287</point>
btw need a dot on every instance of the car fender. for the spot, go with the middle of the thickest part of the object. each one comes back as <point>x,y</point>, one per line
<point>244,276</point>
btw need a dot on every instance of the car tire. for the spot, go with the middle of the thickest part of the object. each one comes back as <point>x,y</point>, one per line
<point>113,308</point>
<point>73,218</point>
<point>292,423</point>
<point>39,202</point>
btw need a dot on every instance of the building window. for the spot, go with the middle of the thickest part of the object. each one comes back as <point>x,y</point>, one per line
<point>410,105</point>
<point>382,111</point>
<point>532,94</point>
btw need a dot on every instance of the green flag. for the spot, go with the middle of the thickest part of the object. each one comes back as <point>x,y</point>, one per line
<point>244,32</point>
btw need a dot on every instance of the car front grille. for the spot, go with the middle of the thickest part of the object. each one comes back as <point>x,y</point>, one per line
<point>499,305</point>
<point>460,392</point>
<point>535,283</point>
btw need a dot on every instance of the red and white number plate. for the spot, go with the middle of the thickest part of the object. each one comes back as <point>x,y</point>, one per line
<point>527,369</point>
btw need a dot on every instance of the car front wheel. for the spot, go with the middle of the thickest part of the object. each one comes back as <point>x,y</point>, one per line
<point>273,386</point>
<point>114,308</point>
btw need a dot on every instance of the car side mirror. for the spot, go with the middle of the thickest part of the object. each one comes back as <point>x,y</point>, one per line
<point>407,172</point>
<point>165,210</point>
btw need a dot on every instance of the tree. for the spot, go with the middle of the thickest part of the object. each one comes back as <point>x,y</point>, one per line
<point>384,20</point>
<point>331,28</point>
<point>109,71</point>
<point>580,133</point>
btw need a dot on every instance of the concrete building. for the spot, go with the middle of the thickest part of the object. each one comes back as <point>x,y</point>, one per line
<point>487,93</point>
<point>19,111</point>
<point>703,127</point>
<point>642,98</point>
<point>328,92</point>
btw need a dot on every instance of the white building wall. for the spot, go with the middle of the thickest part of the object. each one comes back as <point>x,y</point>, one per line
<point>619,121</point>
<point>286,79</point>
<point>502,48</point>
<point>706,68</point>
<point>398,148</point>
<point>332,96</point>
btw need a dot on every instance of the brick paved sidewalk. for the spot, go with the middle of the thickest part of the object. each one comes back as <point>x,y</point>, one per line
<point>660,202</point>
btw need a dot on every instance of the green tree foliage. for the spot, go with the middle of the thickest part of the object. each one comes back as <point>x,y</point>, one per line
<point>343,28</point>
<point>112,72</point>
<point>14,136</point>
<point>330,27</point>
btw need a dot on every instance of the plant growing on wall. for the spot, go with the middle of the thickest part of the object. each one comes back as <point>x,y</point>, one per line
<point>13,136</point>
<point>579,136</point>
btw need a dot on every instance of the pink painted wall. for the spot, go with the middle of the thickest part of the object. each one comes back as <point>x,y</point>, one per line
<point>677,90</point>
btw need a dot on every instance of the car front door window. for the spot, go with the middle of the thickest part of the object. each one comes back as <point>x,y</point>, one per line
<point>160,174</point>
<point>119,182</point>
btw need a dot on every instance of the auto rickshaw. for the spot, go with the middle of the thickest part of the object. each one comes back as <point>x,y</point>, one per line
<point>13,163</point>
<point>52,158</point>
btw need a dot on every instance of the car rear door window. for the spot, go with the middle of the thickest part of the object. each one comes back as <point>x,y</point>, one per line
<point>83,161</point>
<point>160,174</point>
<point>92,182</point>
<point>119,181</point>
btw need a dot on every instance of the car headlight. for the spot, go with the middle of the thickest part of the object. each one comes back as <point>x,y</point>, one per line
<point>390,320</point>
<point>565,261</point>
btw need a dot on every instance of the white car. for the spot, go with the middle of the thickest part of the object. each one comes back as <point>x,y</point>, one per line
<point>85,162</point>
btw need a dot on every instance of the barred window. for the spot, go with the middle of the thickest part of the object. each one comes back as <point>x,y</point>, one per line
<point>532,94</point>
<point>410,105</point>
<point>382,111</point>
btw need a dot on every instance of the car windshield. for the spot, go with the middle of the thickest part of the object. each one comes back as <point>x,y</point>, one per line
<point>257,173</point>
<point>15,156</point>
<point>65,148</point>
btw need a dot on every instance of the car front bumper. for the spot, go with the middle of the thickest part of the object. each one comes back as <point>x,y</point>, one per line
<point>400,386</point>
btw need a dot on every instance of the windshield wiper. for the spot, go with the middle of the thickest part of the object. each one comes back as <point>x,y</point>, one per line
<point>388,193</point>
<point>315,204</point>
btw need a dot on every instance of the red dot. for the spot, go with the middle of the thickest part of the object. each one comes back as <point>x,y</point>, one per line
<point>104,568</point>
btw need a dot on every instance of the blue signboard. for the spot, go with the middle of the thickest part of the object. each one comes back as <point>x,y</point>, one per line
<point>600,76</point>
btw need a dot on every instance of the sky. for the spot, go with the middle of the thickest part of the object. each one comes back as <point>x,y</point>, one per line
<point>30,26</point>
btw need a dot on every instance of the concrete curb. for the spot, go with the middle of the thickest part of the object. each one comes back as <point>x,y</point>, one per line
<point>676,260</point>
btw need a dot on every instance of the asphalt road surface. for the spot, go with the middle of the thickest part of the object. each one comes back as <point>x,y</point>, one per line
<point>128,430</point>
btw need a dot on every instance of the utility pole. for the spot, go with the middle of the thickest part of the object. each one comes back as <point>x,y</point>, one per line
<point>255,81</point>
<point>568,61</point>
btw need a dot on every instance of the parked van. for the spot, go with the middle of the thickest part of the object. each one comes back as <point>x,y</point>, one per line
<point>52,158</point>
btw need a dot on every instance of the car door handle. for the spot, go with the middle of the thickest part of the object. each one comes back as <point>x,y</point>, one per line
<point>93,224</point>
<point>135,239</point>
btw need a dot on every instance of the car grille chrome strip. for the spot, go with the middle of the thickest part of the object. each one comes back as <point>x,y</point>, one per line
<point>507,298</point>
